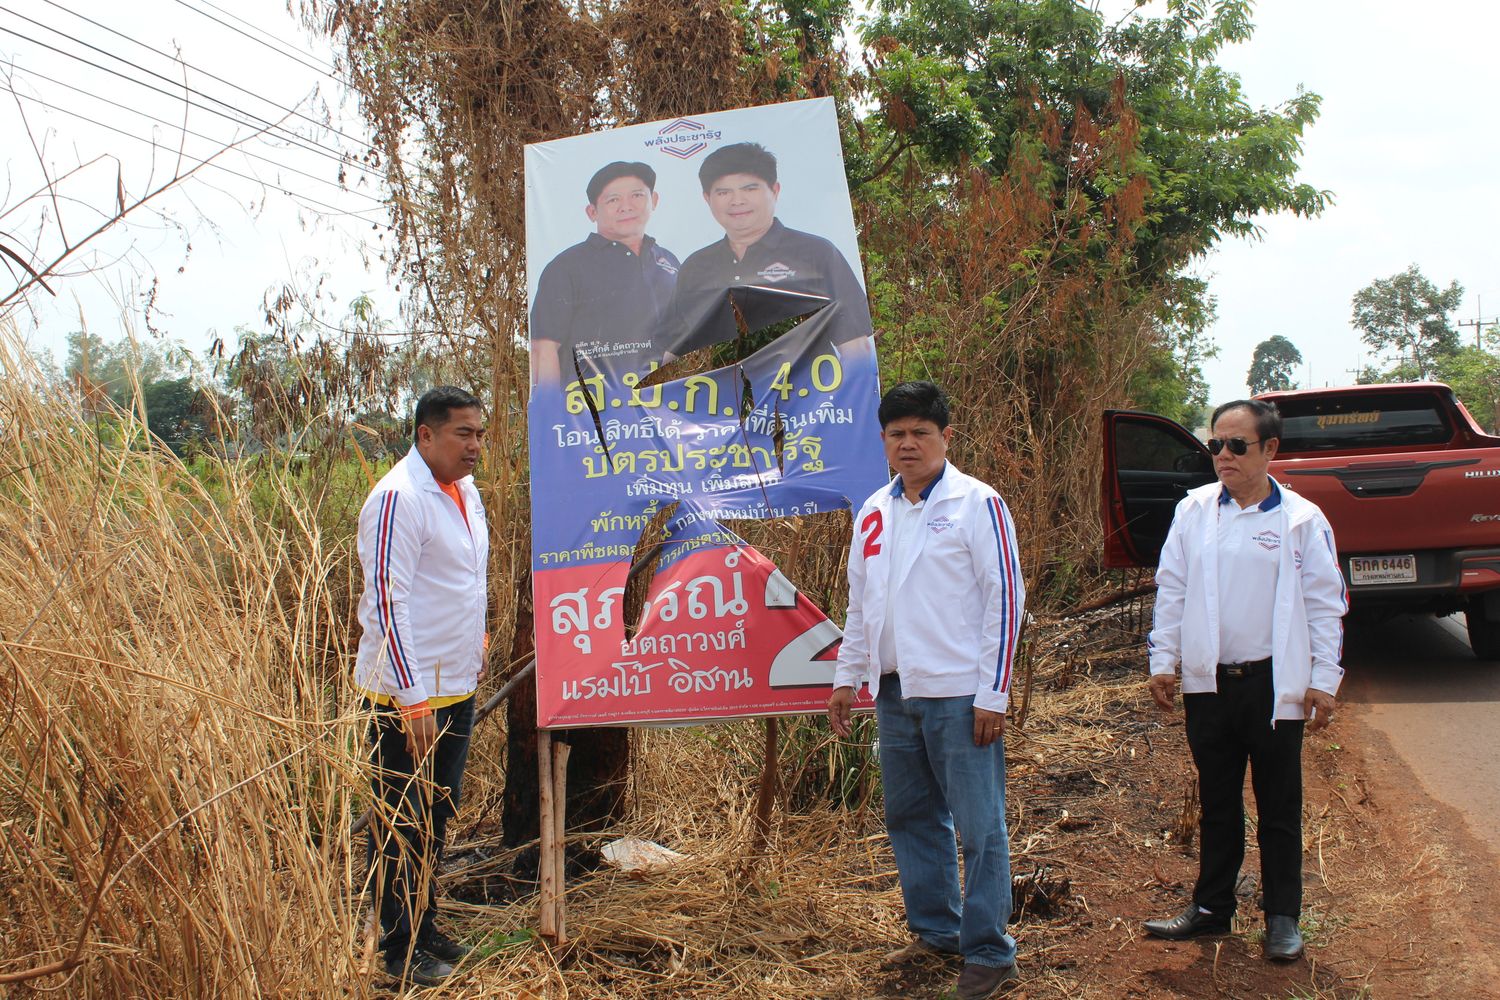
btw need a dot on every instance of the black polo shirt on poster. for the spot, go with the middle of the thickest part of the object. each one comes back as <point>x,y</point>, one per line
<point>783,259</point>
<point>605,302</point>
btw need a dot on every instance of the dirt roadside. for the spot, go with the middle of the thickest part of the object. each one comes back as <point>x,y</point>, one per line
<point>1425,889</point>
<point>1402,900</point>
<point>1401,896</point>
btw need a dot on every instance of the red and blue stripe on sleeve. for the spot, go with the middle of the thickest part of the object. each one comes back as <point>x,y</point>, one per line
<point>1343,587</point>
<point>1010,576</point>
<point>385,607</point>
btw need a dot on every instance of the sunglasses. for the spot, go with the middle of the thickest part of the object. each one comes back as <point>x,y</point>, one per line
<point>1236,446</point>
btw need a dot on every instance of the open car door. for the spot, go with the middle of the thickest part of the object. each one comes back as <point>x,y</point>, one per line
<point>1150,463</point>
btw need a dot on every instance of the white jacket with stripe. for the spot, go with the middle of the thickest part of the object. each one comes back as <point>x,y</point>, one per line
<point>959,595</point>
<point>1307,631</point>
<point>424,603</point>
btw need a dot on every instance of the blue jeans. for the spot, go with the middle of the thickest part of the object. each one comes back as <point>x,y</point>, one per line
<point>936,779</point>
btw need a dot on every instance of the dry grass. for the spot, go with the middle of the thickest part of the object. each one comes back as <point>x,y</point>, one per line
<point>177,770</point>
<point>810,916</point>
<point>173,777</point>
<point>177,774</point>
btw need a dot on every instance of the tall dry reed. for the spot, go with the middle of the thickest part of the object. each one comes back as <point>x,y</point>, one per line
<point>175,775</point>
<point>177,772</point>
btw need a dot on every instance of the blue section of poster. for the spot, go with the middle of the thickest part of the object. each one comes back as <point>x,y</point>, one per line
<point>647,392</point>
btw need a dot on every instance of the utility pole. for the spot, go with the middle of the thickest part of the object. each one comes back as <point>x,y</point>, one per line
<point>1478,322</point>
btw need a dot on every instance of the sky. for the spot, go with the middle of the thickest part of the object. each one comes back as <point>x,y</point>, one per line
<point>268,213</point>
<point>1405,143</point>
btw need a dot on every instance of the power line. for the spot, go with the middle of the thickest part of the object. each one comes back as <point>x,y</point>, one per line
<point>260,124</point>
<point>255,120</point>
<point>211,76</point>
<point>333,209</point>
<point>307,59</point>
<point>186,131</point>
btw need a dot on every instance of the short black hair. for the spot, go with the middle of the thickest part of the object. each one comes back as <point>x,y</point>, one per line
<point>926,400</point>
<point>613,172</point>
<point>436,404</point>
<point>1267,417</point>
<point>741,158</point>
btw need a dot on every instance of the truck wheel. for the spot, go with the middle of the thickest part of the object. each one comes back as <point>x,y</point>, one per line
<point>1484,634</point>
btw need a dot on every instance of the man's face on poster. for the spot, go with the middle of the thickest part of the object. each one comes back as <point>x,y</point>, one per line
<point>745,205</point>
<point>623,209</point>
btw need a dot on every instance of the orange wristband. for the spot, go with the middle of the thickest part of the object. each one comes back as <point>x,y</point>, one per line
<point>418,711</point>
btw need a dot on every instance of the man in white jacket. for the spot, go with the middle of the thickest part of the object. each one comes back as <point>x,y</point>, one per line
<point>935,606</point>
<point>1249,606</point>
<point>423,546</point>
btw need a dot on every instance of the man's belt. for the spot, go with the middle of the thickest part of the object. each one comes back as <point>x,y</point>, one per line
<point>1236,671</point>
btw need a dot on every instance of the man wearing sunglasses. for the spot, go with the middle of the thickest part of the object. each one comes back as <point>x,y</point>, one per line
<point>1249,607</point>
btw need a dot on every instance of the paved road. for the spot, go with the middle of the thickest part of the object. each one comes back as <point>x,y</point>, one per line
<point>1438,705</point>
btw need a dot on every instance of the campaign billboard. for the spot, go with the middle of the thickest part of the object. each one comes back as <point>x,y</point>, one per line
<point>701,350</point>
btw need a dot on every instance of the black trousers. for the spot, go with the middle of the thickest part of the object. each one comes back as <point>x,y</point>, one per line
<point>410,822</point>
<point>1225,730</point>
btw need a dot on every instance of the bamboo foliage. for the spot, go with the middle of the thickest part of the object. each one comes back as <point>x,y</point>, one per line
<point>1013,289</point>
<point>1009,291</point>
<point>453,91</point>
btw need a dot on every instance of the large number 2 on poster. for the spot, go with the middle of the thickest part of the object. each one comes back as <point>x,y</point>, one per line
<point>870,528</point>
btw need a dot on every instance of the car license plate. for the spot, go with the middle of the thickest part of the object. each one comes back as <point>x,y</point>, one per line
<point>1368,570</point>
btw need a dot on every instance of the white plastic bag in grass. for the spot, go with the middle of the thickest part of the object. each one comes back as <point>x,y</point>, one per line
<point>632,854</point>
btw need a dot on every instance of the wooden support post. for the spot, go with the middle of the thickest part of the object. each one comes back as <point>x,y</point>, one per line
<point>770,787</point>
<point>560,753</point>
<point>1027,656</point>
<point>546,873</point>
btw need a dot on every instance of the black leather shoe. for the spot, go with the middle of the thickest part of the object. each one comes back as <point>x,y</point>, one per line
<point>440,945</point>
<point>980,982</point>
<point>422,970</point>
<point>1190,923</point>
<point>1283,940</point>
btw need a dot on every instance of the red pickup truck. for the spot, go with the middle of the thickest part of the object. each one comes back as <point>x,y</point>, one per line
<point>1409,481</point>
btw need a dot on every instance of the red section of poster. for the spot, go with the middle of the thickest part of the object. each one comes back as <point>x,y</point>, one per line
<point>723,634</point>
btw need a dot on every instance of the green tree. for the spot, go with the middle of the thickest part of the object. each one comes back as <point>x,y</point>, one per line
<point>175,412</point>
<point>1170,381</point>
<point>115,369</point>
<point>1473,372</point>
<point>1148,151</point>
<point>127,374</point>
<point>1273,364</point>
<point>964,79</point>
<point>1405,318</point>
